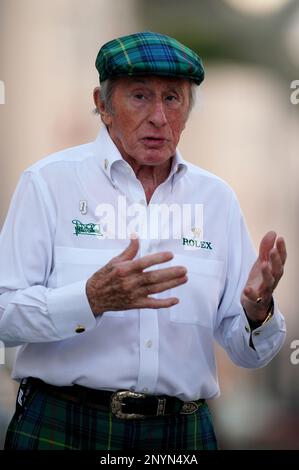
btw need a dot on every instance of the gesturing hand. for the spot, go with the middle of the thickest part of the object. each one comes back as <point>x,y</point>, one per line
<point>122,284</point>
<point>264,277</point>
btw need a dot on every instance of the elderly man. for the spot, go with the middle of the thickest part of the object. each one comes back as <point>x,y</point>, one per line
<point>117,335</point>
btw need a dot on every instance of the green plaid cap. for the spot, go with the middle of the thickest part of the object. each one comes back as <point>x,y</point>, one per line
<point>148,53</point>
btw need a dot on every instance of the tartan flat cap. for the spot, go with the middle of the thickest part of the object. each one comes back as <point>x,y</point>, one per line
<point>148,53</point>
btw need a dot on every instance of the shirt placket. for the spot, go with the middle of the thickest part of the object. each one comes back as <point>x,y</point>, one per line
<point>148,318</point>
<point>148,321</point>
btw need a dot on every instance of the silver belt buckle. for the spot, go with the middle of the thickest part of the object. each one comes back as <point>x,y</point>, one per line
<point>117,404</point>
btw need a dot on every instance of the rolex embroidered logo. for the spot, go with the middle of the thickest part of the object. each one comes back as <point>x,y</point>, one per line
<point>191,243</point>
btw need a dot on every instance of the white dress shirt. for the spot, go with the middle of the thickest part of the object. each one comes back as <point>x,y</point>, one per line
<point>46,261</point>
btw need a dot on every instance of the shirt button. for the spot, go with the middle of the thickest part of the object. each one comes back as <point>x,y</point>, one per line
<point>145,390</point>
<point>149,343</point>
<point>80,329</point>
<point>106,163</point>
<point>257,333</point>
<point>247,329</point>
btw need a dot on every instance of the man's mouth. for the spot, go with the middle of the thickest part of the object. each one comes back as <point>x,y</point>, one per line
<point>154,141</point>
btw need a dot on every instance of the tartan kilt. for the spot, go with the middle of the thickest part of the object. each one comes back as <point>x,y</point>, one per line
<point>46,422</point>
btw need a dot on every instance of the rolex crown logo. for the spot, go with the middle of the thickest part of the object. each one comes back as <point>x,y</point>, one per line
<point>196,232</point>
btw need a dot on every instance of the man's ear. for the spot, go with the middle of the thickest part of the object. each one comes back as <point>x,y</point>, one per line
<point>101,107</point>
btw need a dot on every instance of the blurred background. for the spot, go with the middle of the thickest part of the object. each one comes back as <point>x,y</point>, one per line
<point>244,128</point>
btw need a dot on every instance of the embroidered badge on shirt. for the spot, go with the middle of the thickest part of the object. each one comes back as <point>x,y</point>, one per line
<point>196,232</point>
<point>86,229</point>
<point>190,243</point>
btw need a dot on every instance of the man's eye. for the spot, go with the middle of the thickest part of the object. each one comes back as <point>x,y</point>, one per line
<point>139,96</point>
<point>171,98</point>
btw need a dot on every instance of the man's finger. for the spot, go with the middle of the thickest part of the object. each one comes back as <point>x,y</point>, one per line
<point>276,264</point>
<point>162,286</point>
<point>266,245</point>
<point>281,247</point>
<point>130,252</point>
<point>268,280</point>
<point>161,275</point>
<point>264,287</point>
<point>150,260</point>
<point>150,302</point>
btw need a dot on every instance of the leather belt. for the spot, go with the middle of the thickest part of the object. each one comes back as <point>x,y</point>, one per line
<point>124,404</point>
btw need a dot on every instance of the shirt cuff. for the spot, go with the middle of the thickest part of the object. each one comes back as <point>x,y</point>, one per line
<point>69,309</point>
<point>268,336</point>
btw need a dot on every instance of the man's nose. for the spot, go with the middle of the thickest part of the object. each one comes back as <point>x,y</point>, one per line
<point>157,115</point>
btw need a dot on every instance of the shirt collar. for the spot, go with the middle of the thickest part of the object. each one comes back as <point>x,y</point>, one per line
<point>106,151</point>
<point>179,166</point>
<point>108,154</point>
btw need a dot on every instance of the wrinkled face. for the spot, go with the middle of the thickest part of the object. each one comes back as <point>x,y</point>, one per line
<point>147,118</point>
